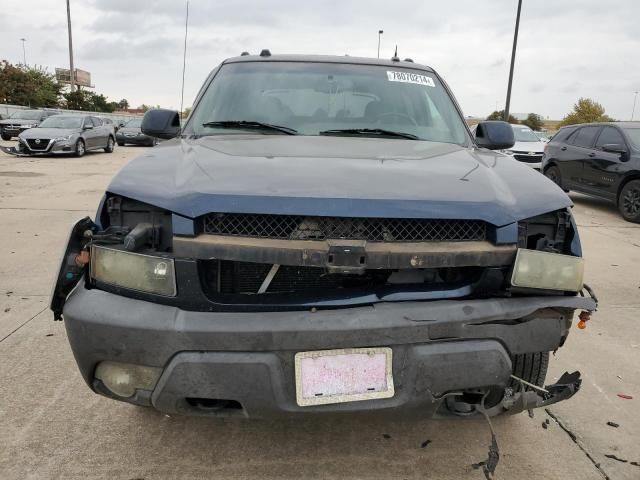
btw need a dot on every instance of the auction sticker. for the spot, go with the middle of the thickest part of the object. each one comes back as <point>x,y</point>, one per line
<point>406,77</point>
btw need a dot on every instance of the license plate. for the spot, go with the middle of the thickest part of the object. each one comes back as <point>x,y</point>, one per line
<point>346,375</point>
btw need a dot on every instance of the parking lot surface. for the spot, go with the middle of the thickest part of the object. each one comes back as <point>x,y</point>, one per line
<point>53,426</point>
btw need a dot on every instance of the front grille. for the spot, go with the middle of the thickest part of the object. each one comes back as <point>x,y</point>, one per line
<point>245,277</point>
<point>238,281</point>
<point>38,144</point>
<point>537,158</point>
<point>296,227</point>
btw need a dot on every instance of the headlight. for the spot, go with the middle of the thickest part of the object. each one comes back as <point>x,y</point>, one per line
<point>144,273</point>
<point>549,271</point>
<point>507,152</point>
<point>31,125</point>
<point>63,139</point>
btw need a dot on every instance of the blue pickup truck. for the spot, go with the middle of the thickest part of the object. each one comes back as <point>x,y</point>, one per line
<point>323,234</point>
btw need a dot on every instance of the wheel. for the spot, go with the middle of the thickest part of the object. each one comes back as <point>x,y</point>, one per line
<point>553,174</point>
<point>121,144</point>
<point>80,148</point>
<point>110,145</point>
<point>6,136</point>
<point>629,201</point>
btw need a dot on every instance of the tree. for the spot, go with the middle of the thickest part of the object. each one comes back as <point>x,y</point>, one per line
<point>499,115</point>
<point>144,107</point>
<point>585,111</point>
<point>534,121</point>
<point>123,104</point>
<point>86,100</point>
<point>28,86</point>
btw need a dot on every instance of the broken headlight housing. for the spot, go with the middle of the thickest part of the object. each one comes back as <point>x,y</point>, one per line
<point>548,271</point>
<point>135,271</point>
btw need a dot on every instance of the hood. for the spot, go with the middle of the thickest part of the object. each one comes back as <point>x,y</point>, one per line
<point>18,121</point>
<point>336,176</point>
<point>48,132</point>
<point>535,147</point>
<point>129,130</point>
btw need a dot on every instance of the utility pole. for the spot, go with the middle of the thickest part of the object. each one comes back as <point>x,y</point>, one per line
<point>24,54</point>
<point>513,61</point>
<point>71,69</point>
<point>633,111</point>
<point>380,32</point>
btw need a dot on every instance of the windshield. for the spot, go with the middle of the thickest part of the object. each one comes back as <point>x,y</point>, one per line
<point>27,115</point>
<point>633,134</point>
<point>316,97</point>
<point>524,134</point>
<point>135,123</point>
<point>59,121</point>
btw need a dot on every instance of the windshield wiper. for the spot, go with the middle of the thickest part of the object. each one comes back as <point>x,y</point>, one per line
<point>368,132</point>
<point>250,125</point>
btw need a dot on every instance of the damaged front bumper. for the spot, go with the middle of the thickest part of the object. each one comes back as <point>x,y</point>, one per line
<point>246,359</point>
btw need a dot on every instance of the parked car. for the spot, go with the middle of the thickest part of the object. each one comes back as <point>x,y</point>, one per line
<point>324,235</point>
<point>528,148</point>
<point>542,136</point>
<point>130,133</point>
<point>598,159</point>
<point>20,121</point>
<point>67,134</point>
<point>111,123</point>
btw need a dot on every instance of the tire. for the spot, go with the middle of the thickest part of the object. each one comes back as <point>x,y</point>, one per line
<point>553,174</point>
<point>530,367</point>
<point>629,201</point>
<point>6,137</point>
<point>110,145</point>
<point>81,149</point>
<point>121,144</point>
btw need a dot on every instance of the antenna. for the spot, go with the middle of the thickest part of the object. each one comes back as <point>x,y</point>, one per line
<point>395,57</point>
<point>184,59</point>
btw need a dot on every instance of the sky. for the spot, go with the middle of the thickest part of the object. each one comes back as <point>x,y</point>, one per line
<point>567,49</point>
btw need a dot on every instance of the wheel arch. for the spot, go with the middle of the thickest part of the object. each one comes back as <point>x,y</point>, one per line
<point>633,175</point>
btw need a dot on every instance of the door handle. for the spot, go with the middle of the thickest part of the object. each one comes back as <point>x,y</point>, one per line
<point>563,148</point>
<point>591,155</point>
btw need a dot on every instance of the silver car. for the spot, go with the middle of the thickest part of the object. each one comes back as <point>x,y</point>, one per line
<point>76,134</point>
<point>528,148</point>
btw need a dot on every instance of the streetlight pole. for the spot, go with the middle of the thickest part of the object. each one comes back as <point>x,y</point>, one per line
<point>380,32</point>
<point>633,111</point>
<point>24,54</point>
<point>513,61</point>
<point>71,69</point>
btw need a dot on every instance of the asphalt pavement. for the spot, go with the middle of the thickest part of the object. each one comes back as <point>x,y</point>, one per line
<point>53,426</point>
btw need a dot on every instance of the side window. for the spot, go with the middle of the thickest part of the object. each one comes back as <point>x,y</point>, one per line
<point>96,122</point>
<point>585,136</point>
<point>609,135</point>
<point>86,122</point>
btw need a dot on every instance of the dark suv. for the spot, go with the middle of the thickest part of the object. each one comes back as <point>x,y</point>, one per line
<point>22,120</point>
<point>599,159</point>
<point>324,235</point>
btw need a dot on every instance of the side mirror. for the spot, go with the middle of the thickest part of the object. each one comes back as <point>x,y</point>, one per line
<point>494,135</point>
<point>161,123</point>
<point>614,148</point>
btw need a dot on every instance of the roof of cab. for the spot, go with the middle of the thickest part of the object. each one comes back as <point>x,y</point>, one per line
<point>329,59</point>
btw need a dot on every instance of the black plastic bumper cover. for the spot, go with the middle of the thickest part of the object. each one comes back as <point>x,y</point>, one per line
<point>438,346</point>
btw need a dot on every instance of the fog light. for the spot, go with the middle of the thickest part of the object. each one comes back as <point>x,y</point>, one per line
<point>124,379</point>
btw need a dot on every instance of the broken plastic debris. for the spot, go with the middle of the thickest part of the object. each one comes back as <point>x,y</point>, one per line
<point>626,397</point>
<point>613,424</point>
